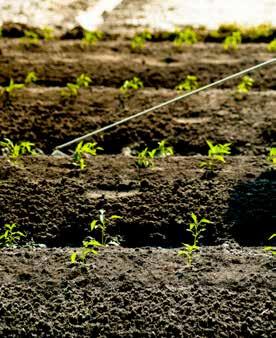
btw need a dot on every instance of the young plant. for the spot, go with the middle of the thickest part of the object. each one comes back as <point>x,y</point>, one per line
<point>215,155</point>
<point>272,156</point>
<point>233,41</point>
<point>10,235</point>
<point>187,36</point>
<point>163,150</point>
<point>189,84</point>
<point>90,38</point>
<point>245,85</point>
<point>72,89</point>
<point>271,47</point>
<point>271,249</point>
<point>145,157</point>
<point>196,228</point>
<point>15,150</point>
<point>31,78</point>
<point>47,33</point>
<point>8,90</point>
<point>139,40</point>
<point>133,84</point>
<point>30,38</point>
<point>91,245</point>
<point>82,150</point>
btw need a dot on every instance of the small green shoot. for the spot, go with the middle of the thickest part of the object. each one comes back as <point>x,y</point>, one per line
<point>92,37</point>
<point>9,90</point>
<point>72,89</point>
<point>271,158</point>
<point>82,150</point>
<point>215,155</point>
<point>31,78</point>
<point>10,236</point>
<point>196,228</point>
<point>271,47</point>
<point>139,40</point>
<point>187,36</point>
<point>133,84</point>
<point>189,84</point>
<point>245,85</point>
<point>15,150</point>
<point>232,41</point>
<point>92,245</point>
<point>145,157</point>
<point>271,249</point>
<point>47,33</point>
<point>30,38</point>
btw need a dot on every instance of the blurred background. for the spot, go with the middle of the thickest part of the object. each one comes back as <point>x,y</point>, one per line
<point>159,14</point>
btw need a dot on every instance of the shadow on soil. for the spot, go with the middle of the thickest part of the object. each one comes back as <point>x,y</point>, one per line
<point>252,210</point>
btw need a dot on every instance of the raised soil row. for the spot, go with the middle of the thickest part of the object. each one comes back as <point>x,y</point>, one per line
<point>133,293</point>
<point>54,203</point>
<point>165,67</point>
<point>42,116</point>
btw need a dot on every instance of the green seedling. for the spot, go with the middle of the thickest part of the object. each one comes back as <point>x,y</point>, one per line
<point>215,155</point>
<point>31,78</point>
<point>92,245</point>
<point>15,150</point>
<point>271,47</point>
<point>145,157</point>
<point>72,89</point>
<point>133,84</point>
<point>47,33</point>
<point>9,90</point>
<point>163,150</point>
<point>271,249</point>
<point>272,156</point>
<point>189,84</point>
<point>30,38</point>
<point>245,85</point>
<point>233,41</point>
<point>139,40</point>
<point>10,235</point>
<point>90,38</point>
<point>196,228</point>
<point>83,150</point>
<point>187,36</point>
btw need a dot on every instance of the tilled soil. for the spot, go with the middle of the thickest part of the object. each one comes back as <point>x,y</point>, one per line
<point>139,289</point>
<point>41,115</point>
<point>228,292</point>
<point>164,68</point>
<point>54,202</point>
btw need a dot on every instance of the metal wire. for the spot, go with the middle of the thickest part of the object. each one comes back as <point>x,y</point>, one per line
<point>230,77</point>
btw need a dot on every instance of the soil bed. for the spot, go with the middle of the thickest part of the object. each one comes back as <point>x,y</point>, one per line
<point>43,117</point>
<point>111,68</point>
<point>137,293</point>
<point>54,202</point>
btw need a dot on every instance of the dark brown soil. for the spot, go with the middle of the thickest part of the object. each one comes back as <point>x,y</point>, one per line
<point>55,203</point>
<point>41,116</point>
<point>163,67</point>
<point>137,293</point>
<point>141,289</point>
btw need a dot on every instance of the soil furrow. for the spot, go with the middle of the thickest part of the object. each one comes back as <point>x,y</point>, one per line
<point>54,202</point>
<point>42,116</point>
<point>113,68</point>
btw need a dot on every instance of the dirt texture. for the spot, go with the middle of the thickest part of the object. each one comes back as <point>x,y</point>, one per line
<point>164,68</point>
<point>41,115</point>
<point>54,202</point>
<point>132,293</point>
